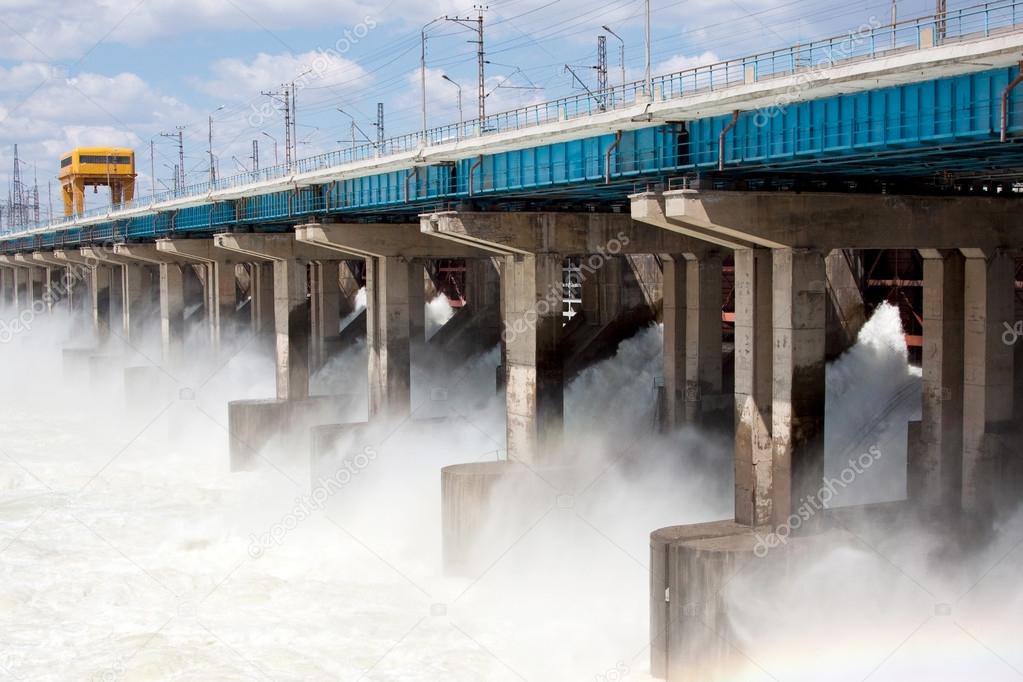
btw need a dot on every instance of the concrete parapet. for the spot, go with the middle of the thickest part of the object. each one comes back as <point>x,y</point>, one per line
<point>254,424</point>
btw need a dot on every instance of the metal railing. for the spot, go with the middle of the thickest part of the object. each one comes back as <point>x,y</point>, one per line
<point>869,41</point>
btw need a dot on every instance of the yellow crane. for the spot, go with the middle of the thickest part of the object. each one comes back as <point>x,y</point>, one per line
<point>112,167</point>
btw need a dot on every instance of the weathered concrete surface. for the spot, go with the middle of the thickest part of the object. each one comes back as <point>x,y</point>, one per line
<point>662,624</point>
<point>826,221</point>
<point>797,405</point>
<point>941,431</point>
<point>486,506</point>
<point>292,328</point>
<point>325,308</point>
<point>389,284</point>
<point>754,360</point>
<point>988,378</point>
<point>703,626</point>
<point>172,314</point>
<point>531,288</point>
<point>255,424</point>
<point>846,313</point>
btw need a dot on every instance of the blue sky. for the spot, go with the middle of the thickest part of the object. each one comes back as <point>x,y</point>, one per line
<point>98,72</point>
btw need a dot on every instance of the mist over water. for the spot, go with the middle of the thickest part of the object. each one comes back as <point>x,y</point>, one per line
<point>129,552</point>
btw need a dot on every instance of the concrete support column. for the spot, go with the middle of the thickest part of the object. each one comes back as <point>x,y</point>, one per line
<point>531,289</point>
<point>22,288</point>
<point>703,337</point>
<point>417,303</point>
<point>4,286</point>
<point>326,306</point>
<point>138,296</point>
<point>846,311</point>
<point>8,277</point>
<point>675,318</point>
<point>602,291</point>
<point>797,409</point>
<point>225,300</point>
<point>262,287</point>
<point>47,292</point>
<point>937,480</point>
<point>172,314</point>
<point>100,289</point>
<point>292,327</point>
<point>388,326</point>
<point>988,377</point>
<point>754,358</point>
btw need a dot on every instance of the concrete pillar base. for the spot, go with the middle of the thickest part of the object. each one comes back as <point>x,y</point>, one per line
<point>254,424</point>
<point>485,506</point>
<point>690,611</point>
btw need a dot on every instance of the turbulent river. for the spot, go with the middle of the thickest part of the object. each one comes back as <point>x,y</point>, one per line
<point>129,552</point>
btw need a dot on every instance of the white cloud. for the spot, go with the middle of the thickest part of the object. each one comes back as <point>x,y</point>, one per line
<point>46,114</point>
<point>238,80</point>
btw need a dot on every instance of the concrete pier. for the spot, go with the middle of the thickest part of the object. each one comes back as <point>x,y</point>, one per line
<point>220,289</point>
<point>394,255</point>
<point>252,423</point>
<point>754,451</point>
<point>939,481</point>
<point>796,304</point>
<point>797,405</point>
<point>693,378</point>
<point>988,378</point>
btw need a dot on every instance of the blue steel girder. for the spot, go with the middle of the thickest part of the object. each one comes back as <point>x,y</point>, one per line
<point>915,130</point>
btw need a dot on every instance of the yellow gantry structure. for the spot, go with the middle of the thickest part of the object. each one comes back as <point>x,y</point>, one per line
<point>83,167</point>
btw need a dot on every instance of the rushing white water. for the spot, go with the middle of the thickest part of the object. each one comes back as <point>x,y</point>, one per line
<point>128,552</point>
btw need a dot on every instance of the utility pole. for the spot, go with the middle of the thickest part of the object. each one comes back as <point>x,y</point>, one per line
<point>213,168</point>
<point>294,122</point>
<point>461,118</point>
<point>179,171</point>
<point>895,19</point>
<point>284,97</point>
<point>152,167</point>
<point>940,12</point>
<point>602,69</point>
<point>17,209</point>
<point>649,80</point>
<point>255,155</point>
<point>35,194</point>
<point>380,124</point>
<point>621,52</point>
<point>477,26</point>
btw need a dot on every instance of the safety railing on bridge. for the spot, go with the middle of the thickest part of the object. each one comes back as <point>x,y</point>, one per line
<point>869,41</point>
